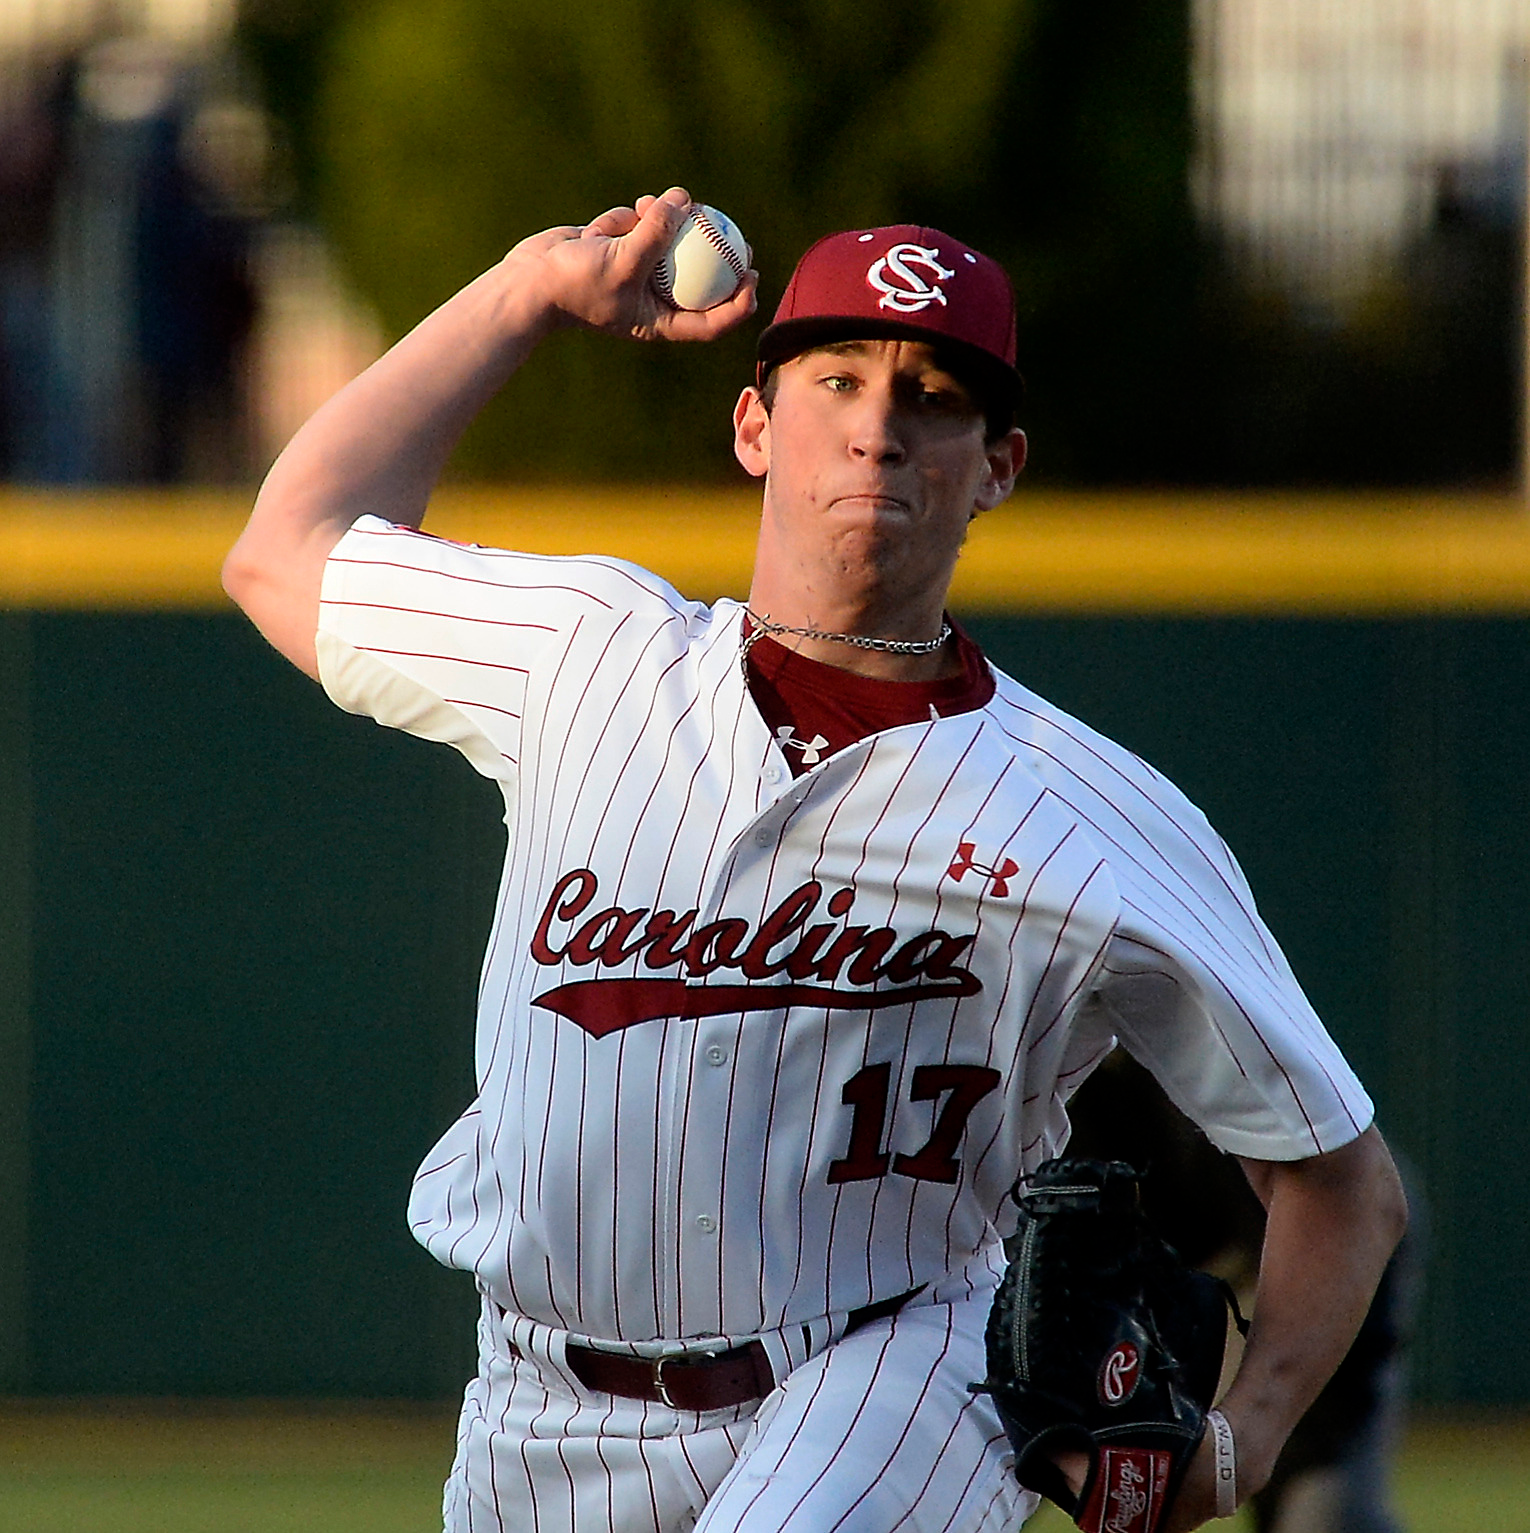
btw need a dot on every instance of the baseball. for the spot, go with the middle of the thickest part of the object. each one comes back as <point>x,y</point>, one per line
<point>706,262</point>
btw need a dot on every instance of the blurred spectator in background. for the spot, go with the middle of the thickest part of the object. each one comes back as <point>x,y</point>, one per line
<point>153,299</point>
<point>129,292</point>
<point>33,103</point>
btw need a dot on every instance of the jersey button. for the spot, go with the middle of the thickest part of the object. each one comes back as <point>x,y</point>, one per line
<point>773,773</point>
<point>705,1223</point>
<point>716,1054</point>
<point>763,838</point>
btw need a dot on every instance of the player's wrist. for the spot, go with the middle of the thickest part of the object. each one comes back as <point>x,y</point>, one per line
<point>1224,1450</point>
<point>526,304</point>
<point>1254,1447</point>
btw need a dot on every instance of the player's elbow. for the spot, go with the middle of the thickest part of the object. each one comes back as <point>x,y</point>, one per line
<point>255,578</point>
<point>278,588</point>
<point>1391,1197</point>
<point>240,574</point>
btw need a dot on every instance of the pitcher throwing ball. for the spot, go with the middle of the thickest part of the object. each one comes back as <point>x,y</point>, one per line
<point>811,922</point>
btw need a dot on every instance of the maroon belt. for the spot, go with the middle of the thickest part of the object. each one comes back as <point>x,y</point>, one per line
<point>698,1381</point>
<point>704,1381</point>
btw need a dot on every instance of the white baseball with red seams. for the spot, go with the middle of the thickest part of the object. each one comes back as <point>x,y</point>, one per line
<point>705,262</point>
<point>753,1051</point>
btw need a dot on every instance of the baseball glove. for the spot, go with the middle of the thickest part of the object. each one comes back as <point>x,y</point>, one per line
<point>1102,1341</point>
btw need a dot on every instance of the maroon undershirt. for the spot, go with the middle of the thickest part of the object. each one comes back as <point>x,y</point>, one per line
<point>814,710</point>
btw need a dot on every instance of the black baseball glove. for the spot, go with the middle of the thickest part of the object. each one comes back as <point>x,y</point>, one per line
<point>1102,1341</point>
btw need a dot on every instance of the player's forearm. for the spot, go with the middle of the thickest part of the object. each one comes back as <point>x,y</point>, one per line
<point>1333,1222</point>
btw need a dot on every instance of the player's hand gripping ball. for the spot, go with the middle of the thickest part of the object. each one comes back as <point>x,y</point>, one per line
<point>705,263</point>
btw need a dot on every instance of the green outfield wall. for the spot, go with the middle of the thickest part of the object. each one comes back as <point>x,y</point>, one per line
<point>239,929</point>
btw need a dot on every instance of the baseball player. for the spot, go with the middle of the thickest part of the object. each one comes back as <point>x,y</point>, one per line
<point>810,923</point>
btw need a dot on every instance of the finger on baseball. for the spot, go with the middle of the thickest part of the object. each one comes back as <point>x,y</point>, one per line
<point>640,251</point>
<point>660,218</point>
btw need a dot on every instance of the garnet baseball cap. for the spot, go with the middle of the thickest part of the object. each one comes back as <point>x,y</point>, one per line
<point>899,281</point>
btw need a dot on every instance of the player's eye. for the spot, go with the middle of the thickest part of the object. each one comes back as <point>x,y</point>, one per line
<point>838,383</point>
<point>940,402</point>
<point>944,399</point>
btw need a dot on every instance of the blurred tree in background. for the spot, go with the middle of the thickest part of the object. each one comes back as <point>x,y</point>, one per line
<point>1055,135</point>
<point>427,140</point>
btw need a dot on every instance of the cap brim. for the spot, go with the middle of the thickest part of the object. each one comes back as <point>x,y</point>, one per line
<point>790,337</point>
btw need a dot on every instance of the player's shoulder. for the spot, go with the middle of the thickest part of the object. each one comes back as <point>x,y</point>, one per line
<point>1123,799</point>
<point>1063,747</point>
<point>593,581</point>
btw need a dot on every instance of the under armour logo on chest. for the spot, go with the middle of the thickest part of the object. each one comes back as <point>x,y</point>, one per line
<point>1000,874</point>
<point>812,750</point>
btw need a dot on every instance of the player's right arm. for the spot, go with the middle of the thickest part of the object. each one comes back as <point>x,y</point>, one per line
<point>379,445</point>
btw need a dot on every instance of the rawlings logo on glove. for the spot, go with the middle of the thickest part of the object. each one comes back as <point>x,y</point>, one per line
<point>1101,1341</point>
<point>1119,1374</point>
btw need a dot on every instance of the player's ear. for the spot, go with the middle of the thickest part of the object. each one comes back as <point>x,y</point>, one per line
<point>1006,457</point>
<point>751,433</point>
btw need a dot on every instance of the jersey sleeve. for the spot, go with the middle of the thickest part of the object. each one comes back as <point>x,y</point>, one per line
<point>1191,982</point>
<point>1198,991</point>
<point>440,639</point>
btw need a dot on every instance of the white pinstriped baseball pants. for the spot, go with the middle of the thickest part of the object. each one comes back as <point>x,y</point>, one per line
<point>876,1432</point>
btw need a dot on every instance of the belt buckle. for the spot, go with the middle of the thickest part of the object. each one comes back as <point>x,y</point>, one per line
<point>660,1388</point>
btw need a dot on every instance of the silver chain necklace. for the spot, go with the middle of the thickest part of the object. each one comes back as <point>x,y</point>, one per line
<point>763,625</point>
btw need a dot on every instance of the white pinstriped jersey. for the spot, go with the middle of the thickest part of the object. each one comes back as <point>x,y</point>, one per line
<point>754,1050</point>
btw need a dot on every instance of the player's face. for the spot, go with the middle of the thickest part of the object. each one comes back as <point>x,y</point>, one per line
<point>874,459</point>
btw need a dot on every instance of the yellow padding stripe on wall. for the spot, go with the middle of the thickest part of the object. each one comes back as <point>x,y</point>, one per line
<point>1042,553</point>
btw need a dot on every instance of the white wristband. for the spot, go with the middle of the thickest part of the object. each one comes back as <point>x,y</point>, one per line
<point>1226,1465</point>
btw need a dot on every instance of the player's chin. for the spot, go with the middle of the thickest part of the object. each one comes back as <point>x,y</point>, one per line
<point>873,545</point>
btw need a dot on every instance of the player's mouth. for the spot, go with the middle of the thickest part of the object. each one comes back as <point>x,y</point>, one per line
<point>873,500</point>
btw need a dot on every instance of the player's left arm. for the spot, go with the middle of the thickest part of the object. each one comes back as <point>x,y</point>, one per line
<point>1333,1221</point>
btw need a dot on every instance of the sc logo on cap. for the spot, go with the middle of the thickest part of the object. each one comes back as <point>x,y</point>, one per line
<point>896,276</point>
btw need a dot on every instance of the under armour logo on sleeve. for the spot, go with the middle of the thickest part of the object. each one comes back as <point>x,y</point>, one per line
<point>964,863</point>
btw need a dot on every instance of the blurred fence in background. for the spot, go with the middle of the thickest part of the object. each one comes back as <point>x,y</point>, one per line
<point>240,929</point>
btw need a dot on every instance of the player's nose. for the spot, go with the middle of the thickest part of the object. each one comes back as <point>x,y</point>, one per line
<point>876,428</point>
